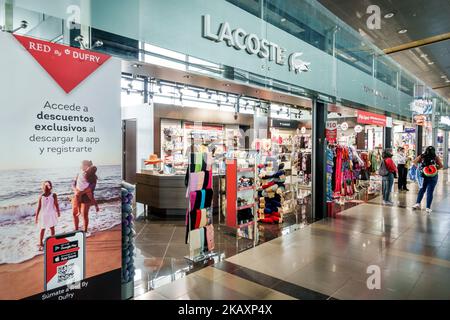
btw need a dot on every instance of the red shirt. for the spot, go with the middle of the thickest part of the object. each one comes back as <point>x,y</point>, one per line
<point>390,165</point>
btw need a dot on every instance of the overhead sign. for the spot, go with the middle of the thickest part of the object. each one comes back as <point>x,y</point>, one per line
<point>290,124</point>
<point>445,120</point>
<point>251,43</point>
<point>371,118</point>
<point>420,120</point>
<point>422,106</point>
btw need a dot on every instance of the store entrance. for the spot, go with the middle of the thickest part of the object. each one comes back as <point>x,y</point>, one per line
<point>257,146</point>
<point>355,145</point>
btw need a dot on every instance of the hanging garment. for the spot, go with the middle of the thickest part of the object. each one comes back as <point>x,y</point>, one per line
<point>196,162</point>
<point>195,242</point>
<point>198,218</point>
<point>210,237</point>
<point>201,199</point>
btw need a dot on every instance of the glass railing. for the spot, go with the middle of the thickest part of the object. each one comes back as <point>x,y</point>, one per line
<point>105,29</point>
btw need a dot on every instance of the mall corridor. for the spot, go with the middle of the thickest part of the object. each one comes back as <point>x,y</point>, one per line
<point>329,259</point>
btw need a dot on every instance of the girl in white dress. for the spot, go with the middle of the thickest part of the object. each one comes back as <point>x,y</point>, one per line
<point>47,212</point>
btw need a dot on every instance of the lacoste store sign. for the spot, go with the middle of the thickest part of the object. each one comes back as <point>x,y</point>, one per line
<point>251,43</point>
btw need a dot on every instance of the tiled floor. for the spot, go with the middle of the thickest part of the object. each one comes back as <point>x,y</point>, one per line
<point>329,259</point>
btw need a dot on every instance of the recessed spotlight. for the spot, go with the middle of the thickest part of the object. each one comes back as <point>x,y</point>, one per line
<point>447,81</point>
<point>389,15</point>
<point>443,77</point>
<point>283,19</point>
<point>136,65</point>
<point>227,85</point>
<point>430,63</point>
<point>423,55</point>
<point>402,31</point>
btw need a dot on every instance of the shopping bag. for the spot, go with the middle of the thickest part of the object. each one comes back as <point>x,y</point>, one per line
<point>412,173</point>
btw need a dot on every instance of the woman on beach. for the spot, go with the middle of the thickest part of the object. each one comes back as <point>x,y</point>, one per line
<point>47,212</point>
<point>84,186</point>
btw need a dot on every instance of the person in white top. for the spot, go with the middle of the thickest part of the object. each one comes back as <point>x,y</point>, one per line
<point>402,170</point>
<point>47,212</point>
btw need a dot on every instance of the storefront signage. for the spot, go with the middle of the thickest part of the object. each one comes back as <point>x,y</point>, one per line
<point>278,123</point>
<point>251,43</point>
<point>331,131</point>
<point>358,128</point>
<point>420,120</point>
<point>422,106</point>
<point>344,126</point>
<point>410,130</point>
<point>371,118</point>
<point>445,120</point>
<point>66,65</point>
<point>374,92</point>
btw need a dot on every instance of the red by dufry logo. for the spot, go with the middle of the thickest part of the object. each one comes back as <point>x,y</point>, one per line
<point>66,65</point>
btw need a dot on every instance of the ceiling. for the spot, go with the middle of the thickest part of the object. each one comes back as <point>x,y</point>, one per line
<point>421,18</point>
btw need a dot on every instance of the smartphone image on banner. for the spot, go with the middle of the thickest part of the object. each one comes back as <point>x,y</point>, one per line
<point>64,259</point>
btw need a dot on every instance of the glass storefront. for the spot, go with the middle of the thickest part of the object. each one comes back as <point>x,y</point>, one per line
<point>220,102</point>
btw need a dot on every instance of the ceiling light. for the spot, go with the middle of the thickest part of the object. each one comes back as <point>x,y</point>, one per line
<point>136,65</point>
<point>389,15</point>
<point>430,63</point>
<point>402,31</point>
<point>447,81</point>
<point>443,76</point>
<point>283,19</point>
<point>423,55</point>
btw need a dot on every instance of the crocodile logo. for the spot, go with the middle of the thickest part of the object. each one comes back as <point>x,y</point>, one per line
<point>296,64</point>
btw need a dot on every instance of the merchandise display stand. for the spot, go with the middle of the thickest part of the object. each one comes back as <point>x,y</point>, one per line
<point>241,214</point>
<point>128,235</point>
<point>199,216</point>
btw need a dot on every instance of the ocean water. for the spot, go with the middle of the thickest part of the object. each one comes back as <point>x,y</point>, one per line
<point>19,192</point>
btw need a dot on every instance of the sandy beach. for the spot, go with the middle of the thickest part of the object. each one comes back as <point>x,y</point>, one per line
<point>21,280</point>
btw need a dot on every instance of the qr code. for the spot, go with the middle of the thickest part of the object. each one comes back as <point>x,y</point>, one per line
<point>65,273</point>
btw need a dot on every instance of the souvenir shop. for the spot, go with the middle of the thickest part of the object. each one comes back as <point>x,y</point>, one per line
<point>355,142</point>
<point>220,170</point>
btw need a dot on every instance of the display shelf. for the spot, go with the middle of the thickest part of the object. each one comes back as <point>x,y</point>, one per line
<point>236,214</point>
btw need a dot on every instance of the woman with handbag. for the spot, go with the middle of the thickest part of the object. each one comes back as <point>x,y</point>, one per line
<point>387,170</point>
<point>429,163</point>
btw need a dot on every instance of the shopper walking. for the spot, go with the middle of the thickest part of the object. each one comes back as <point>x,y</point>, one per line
<point>429,164</point>
<point>387,170</point>
<point>402,169</point>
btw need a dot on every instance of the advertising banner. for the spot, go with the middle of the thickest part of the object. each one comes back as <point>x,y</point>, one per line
<point>60,171</point>
<point>331,131</point>
<point>371,118</point>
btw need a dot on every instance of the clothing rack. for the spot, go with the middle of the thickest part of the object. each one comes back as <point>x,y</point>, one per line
<point>199,195</point>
